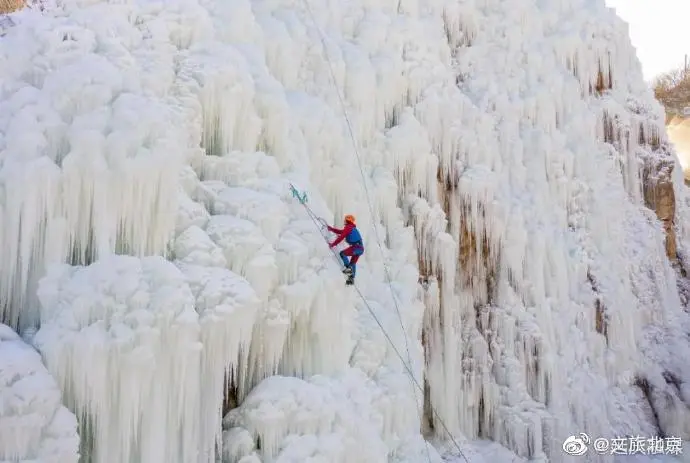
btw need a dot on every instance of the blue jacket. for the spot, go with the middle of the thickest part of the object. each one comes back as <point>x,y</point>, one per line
<point>350,234</point>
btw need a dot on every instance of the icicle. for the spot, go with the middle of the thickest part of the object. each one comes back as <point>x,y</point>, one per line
<point>28,218</point>
<point>227,307</point>
<point>225,89</point>
<point>319,339</point>
<point>266,348</point>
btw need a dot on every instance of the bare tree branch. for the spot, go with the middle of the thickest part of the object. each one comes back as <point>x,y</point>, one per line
<point>672,89</point>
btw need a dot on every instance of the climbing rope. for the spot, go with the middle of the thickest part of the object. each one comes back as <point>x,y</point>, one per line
<point>320,223</point>
<point>372,215</point>
<point>368,197</point>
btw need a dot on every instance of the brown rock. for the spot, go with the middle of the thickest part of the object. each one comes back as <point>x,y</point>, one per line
<point>660,197</point>
<point>8,6</point>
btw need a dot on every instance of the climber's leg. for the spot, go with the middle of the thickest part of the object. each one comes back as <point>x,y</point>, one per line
<point>346,261</point>
<point>354,251</point>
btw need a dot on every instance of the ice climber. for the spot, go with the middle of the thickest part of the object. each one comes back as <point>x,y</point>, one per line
<point>351,235</point>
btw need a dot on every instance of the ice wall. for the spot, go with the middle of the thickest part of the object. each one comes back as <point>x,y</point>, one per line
<point>559,291</point>
<point>509,152</point>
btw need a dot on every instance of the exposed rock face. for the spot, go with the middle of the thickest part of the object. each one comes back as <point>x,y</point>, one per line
<point>658,163</point>
<point>660,197</point>
<point>8,6</point>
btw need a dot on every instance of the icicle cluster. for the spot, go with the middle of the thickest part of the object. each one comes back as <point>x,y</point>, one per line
<point>139,365</point>
<point>531,244</point>
<point>89,163</point>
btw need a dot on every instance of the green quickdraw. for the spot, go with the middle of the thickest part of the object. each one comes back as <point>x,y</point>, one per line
<point>318,221</point>
<point>302,198</point>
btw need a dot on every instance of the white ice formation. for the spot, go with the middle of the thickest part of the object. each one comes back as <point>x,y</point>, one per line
<point>525,222</point>
<point>34,425</point>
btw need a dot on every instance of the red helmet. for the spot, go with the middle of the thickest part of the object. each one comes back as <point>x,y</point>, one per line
<point>350,218</point>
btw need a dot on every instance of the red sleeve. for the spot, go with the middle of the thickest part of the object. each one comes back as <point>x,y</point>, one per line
<point>343,233</point>
<point>334,230</point>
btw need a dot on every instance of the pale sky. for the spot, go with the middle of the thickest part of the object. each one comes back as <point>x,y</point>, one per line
<point>659,30</point>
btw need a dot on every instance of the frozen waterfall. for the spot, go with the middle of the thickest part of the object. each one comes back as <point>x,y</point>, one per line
<point>505,162</point>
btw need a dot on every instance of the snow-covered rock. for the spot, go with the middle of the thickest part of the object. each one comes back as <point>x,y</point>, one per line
<point>34,425</point>
<point>505,154</point>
